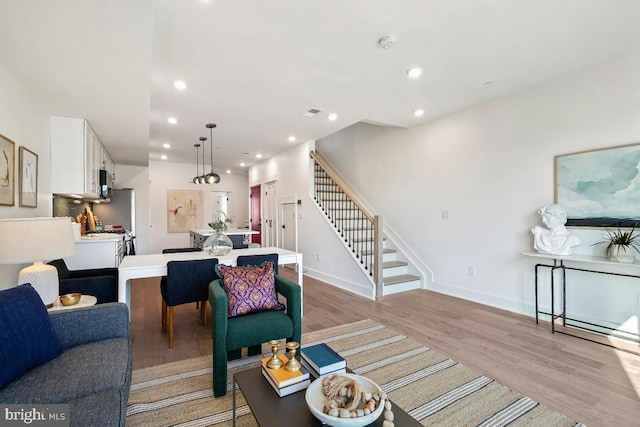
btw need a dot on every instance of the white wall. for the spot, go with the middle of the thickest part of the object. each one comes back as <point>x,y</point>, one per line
<point>324,257</point>
<point>165,176</point>
<point>24,121</point>
<point>491,167</point>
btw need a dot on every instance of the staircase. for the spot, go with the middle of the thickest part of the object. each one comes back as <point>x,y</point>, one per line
<point>361,232</point>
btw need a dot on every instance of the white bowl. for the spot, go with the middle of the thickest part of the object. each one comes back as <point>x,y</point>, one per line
<point>315,401</point>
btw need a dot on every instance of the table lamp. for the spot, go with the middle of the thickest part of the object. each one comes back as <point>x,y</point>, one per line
<point>37,240</point>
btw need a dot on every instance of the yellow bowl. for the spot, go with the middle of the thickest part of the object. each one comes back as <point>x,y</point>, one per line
<point>70,299</point>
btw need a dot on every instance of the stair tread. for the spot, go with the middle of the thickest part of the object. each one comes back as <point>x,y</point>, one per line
<point>392,264</point>
<point>384,251</point>
<point>394,280</point>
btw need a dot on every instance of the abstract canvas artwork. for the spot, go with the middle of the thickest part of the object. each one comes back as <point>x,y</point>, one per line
<point>184,210</point>
<point>600,188</point>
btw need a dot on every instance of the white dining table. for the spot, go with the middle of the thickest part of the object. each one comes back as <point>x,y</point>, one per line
<point>155,265</point>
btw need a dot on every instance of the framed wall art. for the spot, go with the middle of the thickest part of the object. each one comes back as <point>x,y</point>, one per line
<point>28,187</point>
<point>600,188</point>
<point>7,172</point>
<point>184,210</point>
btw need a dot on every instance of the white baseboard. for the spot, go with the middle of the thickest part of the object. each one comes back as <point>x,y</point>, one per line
<point>514,306</point>
<point>356,288</point>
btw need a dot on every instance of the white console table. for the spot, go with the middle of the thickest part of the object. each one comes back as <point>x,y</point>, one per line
<point>559,265</point>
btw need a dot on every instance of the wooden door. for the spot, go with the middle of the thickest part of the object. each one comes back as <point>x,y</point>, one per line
<point>256,219</point>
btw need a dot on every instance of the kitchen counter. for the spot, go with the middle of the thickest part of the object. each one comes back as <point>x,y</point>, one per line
<point>97,251</point>
<point>198,236</point>
<point>231,231</point>
<point>106,237</point>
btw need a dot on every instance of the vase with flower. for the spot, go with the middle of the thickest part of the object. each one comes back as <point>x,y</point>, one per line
<point>219,243</point>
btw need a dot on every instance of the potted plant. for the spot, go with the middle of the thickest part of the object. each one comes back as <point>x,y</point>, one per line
<point>622,245</point>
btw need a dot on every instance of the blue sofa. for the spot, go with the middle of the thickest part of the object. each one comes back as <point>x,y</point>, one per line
<point>91,370</point>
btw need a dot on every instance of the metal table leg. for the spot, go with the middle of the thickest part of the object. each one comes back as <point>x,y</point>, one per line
<point>233,412</point>
<point>536,291</point>
<point>553,303</point>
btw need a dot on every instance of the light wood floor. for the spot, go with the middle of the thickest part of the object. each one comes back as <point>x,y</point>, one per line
<point>591,383</point>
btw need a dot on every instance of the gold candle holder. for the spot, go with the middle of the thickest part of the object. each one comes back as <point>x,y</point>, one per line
<point>292,365</point>
<point>274,362</point>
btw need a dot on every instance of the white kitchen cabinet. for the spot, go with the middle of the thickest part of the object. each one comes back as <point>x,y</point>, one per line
<point>96,252</point>
<point>77,155</point>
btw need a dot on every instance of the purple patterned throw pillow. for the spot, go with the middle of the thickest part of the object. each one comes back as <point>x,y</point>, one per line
<point>250,289</point>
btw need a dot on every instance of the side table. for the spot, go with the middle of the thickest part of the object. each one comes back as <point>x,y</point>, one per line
<point>85,301</point>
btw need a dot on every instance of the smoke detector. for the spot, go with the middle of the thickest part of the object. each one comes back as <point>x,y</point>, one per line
<point>387,41</point>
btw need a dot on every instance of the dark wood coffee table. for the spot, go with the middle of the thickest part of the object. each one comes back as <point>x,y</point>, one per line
<point>271,410</point>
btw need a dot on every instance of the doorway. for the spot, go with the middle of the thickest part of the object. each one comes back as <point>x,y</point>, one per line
<point>256,218</point>
<point>220,202</point>
<point>270,222</point>
<point>289,227</point>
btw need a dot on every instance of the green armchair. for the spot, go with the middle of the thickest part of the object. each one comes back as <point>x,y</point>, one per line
<point>231,335</point>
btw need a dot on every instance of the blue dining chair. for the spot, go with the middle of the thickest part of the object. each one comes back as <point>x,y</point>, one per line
<point>186,281</point>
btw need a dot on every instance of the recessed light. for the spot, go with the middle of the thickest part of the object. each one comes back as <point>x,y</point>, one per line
<point>414,72</point>
<point>163,157</point>
<point>228,171</point>
<point>180,85</point>
<point>419,112</point>
<point>332,116</point>
<point>258,156</point>
<point>292,138</point>
<point>242,164</point>
<point>166,145</point>
<point>172,120</point>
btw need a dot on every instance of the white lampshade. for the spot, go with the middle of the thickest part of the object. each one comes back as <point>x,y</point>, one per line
<point>37,240</point>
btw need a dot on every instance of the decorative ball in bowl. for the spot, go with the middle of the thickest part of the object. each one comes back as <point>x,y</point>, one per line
<point>70,299</point>
<point>345,400</point>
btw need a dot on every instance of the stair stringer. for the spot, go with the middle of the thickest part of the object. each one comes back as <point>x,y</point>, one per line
<point>416,265</point>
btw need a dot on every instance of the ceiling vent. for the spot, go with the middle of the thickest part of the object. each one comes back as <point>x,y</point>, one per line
<point>312,112</point>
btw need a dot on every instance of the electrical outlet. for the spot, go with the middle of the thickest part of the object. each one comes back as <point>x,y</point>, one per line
<point>471,270</point>
<point>445,215</point>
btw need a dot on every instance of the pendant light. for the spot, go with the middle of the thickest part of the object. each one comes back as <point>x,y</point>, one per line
<point>196,179</point>
<point>201,177</point>
<point>212,177</point>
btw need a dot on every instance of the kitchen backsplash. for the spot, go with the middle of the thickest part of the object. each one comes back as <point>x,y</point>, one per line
<point>64,206</point>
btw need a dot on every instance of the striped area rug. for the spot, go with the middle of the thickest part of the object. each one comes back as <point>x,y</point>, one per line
<point>431,388</point>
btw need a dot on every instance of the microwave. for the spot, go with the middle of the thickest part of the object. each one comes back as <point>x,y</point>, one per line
<point>106,183</point>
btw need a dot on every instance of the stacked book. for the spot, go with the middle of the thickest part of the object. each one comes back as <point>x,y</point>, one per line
<point>320,359</point>
<point>283,381</point>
